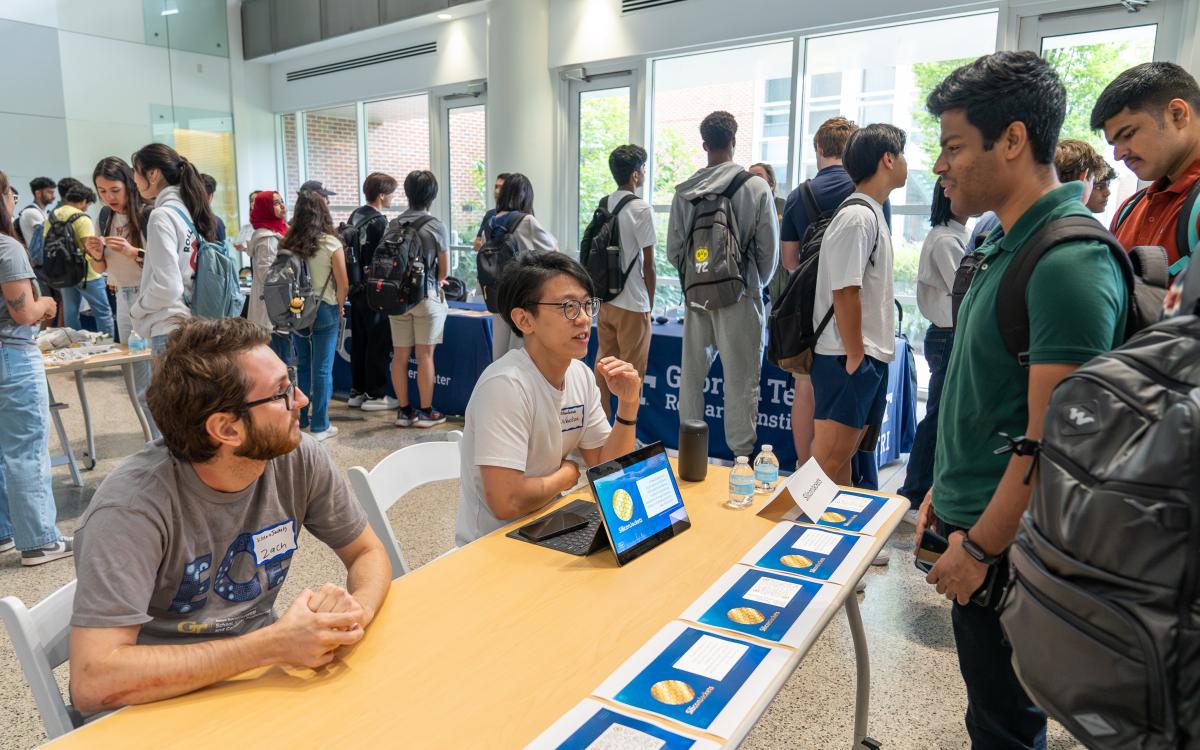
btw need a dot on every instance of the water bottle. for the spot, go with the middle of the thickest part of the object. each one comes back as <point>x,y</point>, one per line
<point>136,343</point>
<point>741,484</point>
<point>766,470</point>
<point>613,256</point>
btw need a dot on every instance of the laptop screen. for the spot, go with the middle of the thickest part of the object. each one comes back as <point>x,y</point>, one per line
<point>639,501</point>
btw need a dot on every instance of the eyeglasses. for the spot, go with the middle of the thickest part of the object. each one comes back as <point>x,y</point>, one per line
<point>572,307</point>
<point>288,396</point>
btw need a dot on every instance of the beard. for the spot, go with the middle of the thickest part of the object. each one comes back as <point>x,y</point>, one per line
<point>264,445</point>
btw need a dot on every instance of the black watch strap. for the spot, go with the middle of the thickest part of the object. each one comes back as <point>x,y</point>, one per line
<point>626,422</point>
<point>975,551</point>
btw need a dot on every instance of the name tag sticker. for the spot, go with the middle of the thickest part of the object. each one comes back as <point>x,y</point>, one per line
<point>571,417</point>
<point>274,541</point>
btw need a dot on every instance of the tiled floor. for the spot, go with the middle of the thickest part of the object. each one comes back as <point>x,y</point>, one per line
<point>917,697</point>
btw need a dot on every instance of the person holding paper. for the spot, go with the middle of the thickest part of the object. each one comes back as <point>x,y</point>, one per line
<point>184,547</point>
<point>537,404</point>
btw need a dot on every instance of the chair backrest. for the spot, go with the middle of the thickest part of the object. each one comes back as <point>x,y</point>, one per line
<point>395,476</point>
<point>41,636</point>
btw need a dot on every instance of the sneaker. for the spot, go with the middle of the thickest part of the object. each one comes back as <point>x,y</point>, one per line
<point>882,558</point>
<point>910,517</point>
<point>356,399</point>
<point>49,553</point>
<point>325,434</point>
<point>386,403</point>
<point>861,586</point>
<point>7,544</point>
<point>429,417</point>
<point>406,416</point>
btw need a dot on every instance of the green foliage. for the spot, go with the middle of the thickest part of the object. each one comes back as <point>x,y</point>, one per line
<point>926,75</point>
<point>1085,70</point>
<point>603,125</point>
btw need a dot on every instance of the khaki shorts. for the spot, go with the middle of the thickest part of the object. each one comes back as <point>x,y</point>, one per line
<point>421,326</point>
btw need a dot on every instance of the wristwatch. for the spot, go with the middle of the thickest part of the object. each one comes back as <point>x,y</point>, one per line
<point>975,551</point>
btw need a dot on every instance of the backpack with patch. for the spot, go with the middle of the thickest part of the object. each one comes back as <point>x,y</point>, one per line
<point>1144,273</point>
<point>399,277</point>
<point>600,251</point>
<point>63,264</point>
<point>500,247</point>
<point>1103,605</point>
<point>354,236</point>
<point>792,335</point>
<point>37,252</point>
<point>1186,238</point>
<point>288,294</point>
<point>712,270</point>
<point>216,293</point>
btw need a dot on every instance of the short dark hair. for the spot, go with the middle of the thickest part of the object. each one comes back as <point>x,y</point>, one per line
<point>522,282</point>
<point>40,183</point>
<point>420,187</point>
<point>625,160</point>
<point>769,170</point>
<point>66,184</point>
<point>718,129</point>
<point>831,137</point>
<point>1148,86</point>
<point>868,145</point>
<point>210,184</point>
<point>79,192</point>
<point>377,184</point>
<point>503,176</point>
<point>939,210</point>
<point>1109,174</point>
<point>516,194</point>
<point>1002,88</point>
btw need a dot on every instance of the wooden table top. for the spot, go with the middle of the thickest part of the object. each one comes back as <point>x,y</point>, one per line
<point>120,356</point>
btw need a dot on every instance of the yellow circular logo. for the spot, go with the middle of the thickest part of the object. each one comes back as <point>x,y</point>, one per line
<point>796,561</point>
<point>672,692</point>
<point>701,254</point>
<point>830,516</point>
<point>622,505</point>
<point>745,616</point>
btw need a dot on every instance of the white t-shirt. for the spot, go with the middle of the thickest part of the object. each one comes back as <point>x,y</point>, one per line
<point>122,272</point>
<point>517,420</point>
<point>30,217</point>
<point>941,255</point>
<point>635,224</point>
<point>846,261</point>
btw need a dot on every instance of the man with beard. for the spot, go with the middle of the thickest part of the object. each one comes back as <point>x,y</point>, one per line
<point>184,547</point>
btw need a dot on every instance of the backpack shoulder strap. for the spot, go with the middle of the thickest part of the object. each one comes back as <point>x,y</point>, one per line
<point>1127,207</point>
<point>1186,236</point>
<point>864,204</point>
<point>1012,312</point>
<point>620,204</point>
<point>736,183</point>
<point>511,225</point>
<point>811,207</point>
<point>183,215</point>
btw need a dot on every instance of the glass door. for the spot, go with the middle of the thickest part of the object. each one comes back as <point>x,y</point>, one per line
<point>600,121</point>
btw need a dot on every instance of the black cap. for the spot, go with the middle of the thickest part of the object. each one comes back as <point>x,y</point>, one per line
<point>316,187</point>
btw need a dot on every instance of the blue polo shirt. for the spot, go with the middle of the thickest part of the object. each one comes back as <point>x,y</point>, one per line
<point>830,187</point>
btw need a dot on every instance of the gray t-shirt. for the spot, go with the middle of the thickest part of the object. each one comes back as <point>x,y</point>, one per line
<point>159,548</point>
<point>15,266</point>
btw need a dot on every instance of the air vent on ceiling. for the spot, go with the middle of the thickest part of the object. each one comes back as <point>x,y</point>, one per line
<point>362,62</point>
<point>629,6</point>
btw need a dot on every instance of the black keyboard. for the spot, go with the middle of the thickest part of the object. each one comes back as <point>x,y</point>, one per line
<point>579,542</point>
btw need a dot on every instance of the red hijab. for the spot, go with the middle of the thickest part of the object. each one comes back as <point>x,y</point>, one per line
<point>262,214</point>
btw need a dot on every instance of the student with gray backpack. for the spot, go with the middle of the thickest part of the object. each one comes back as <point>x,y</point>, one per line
<point>723,236</point>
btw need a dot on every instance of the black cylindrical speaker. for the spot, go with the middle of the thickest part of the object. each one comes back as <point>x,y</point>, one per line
<point>693,450</point>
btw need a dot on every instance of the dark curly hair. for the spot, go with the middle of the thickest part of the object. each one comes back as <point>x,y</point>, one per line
<point>718,129</point>
<point>311,220</point>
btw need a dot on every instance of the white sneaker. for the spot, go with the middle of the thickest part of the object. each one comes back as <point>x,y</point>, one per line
<point>387,403</point>
<point>882,558</point>
<point>356,399</point>
<point>51,552</point>
<point>325,434</point>
<point>7,544</point>
<point>910,517</point>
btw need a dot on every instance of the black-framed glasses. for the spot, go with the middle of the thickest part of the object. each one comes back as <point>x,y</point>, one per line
<point>287,396</point>
<point>572,307</point>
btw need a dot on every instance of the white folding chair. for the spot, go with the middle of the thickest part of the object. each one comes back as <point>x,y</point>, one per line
<point>41,636</point>
<point>395,476</point>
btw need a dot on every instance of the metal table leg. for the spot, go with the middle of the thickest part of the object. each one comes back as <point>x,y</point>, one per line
<point>67,456</point>
<point>862,660</point>
<point>131,389</point>
<point>87,420</point>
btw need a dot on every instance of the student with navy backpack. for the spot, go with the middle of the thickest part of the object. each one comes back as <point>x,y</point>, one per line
<point>30,217</point>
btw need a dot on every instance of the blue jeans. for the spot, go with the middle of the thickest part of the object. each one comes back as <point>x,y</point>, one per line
<point>27,511</point>
<point>141,370</point>
<point>938,343</point>
<point>94,292</point>
<point>281,344</point>
<point>314,364</point>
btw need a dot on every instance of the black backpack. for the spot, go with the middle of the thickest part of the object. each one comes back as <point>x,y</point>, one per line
<point>63,264</point>
<point>600,251</point>
<point>288,295</point>
<point>791,334</point>
<point>1103,604</point>
<point>398,279</point>
<point>712,271</point>
<point>500,247</point>
<point>354,236</point>
<point>1144,271</point>
<point>17,224</point>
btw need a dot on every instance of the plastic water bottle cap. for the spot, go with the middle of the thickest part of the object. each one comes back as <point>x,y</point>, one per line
<point>743,459</point>
<point>766,448</point>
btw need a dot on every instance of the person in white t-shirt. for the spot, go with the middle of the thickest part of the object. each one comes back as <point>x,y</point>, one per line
<point>536,405</point>
<point>854,287</point>
<point>34,214</point>
<point>624,326</point>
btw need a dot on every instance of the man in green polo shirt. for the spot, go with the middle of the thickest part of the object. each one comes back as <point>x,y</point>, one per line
<point>1000,118</point>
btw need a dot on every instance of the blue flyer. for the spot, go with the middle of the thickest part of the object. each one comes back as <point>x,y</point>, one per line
<point>701,679</point>
<point>859,512</point>
<point>591,724</point>
<point>759,603</point>
<point>811,552</point>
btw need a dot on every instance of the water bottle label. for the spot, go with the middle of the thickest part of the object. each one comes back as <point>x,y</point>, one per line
<point>766,474</point>
<point>742,485</point>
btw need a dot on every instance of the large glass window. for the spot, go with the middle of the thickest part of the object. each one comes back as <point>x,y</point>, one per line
<point>469,193</point>
<point>291,157</point>
<point>397,139</point>
<point>603,125</point>
<point>331,156</point>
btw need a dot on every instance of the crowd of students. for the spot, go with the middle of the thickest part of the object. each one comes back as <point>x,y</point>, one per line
<point>230,410</point>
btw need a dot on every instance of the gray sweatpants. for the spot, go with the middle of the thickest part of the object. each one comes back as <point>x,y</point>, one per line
<point>736,332</point>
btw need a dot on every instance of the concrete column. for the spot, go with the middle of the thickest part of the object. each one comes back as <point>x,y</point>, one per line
<point>521,98</point>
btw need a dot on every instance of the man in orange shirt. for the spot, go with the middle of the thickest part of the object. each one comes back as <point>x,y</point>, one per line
<point>1151,116</point>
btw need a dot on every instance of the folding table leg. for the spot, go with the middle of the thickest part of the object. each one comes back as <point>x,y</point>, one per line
<point>131,389</point>
<point>862,660</point>
<point>87,420</point>
<point>67,456</point>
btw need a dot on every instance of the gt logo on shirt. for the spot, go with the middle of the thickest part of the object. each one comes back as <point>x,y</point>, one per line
<point>195,580</point>
<point>571,417</point>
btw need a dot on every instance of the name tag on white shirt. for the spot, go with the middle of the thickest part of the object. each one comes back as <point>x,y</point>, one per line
<point>274,541</point>
<point>571,417</point>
